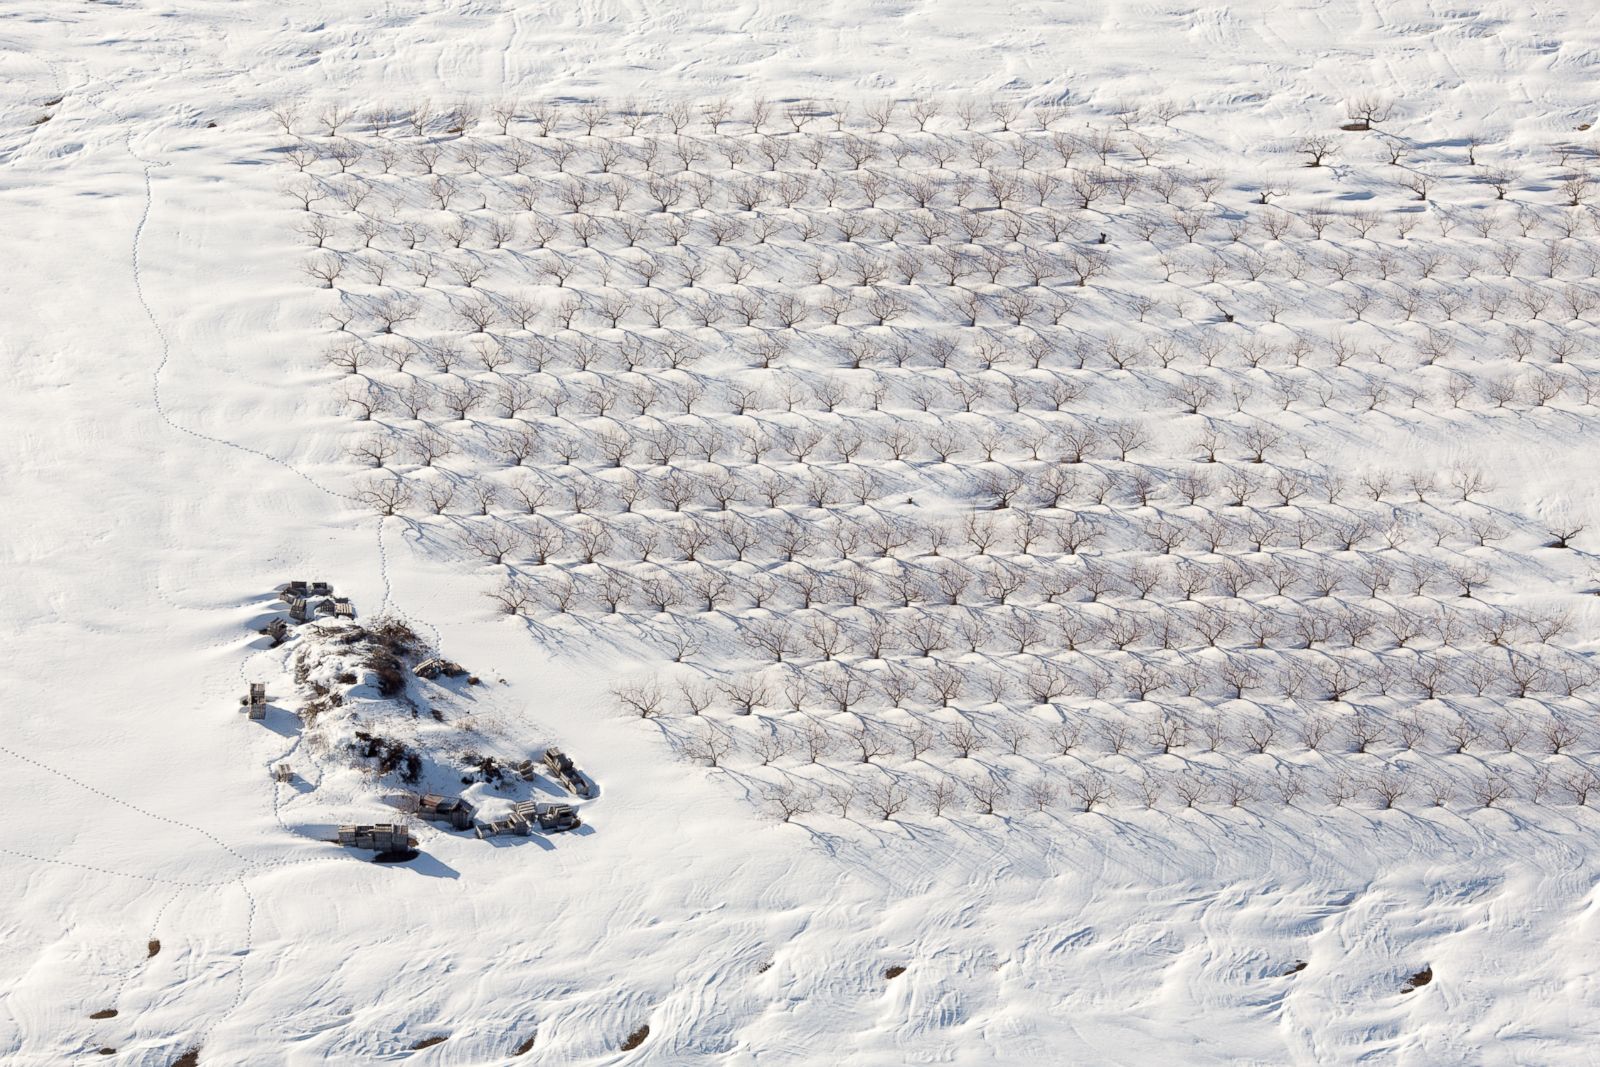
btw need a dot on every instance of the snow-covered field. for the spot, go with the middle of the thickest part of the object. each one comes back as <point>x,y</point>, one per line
<point>177,445</point>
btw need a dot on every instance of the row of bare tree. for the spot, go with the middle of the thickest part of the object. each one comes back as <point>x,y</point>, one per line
<point>889,797</point>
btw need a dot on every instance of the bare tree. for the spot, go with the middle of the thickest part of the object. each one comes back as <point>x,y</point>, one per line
<point>1562,530</point>
<point>1367,110</point>
<point>1042,794</point>
<point>1490,790</point>
<point>788,800</point>
<point>988,793</point>
<point>1090,790</point>
<point>387,496</point>
<point>325,268</point>
<point>842,795</point>
<point>1084,266</point>
<point>887,798</point>
<point>1317,148</point>
<point>710,745</point>
<point>1580,784</point>
<point>940,794</point>
<point>1192,788</point>
<point>642,698</point>
<point>963,740</point>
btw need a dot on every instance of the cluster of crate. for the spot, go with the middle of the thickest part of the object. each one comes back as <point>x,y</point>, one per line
<point>528,816</point>
<point>563,770</point>
<point>525,817</point>
<point>434,666</point>
<point>379,837</point>
<point>307,600</point>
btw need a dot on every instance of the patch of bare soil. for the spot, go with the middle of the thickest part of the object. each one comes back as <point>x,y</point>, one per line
<point>1418,980</point>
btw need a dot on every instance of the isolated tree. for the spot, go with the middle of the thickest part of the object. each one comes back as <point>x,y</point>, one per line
<point>1316,148</point>
<point>1367,110</point>
<point>1563,530</point>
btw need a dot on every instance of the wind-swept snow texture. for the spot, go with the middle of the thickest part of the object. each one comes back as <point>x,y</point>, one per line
<point>173,447</point>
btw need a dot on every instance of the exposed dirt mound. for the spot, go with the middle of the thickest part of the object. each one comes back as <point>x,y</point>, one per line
<point>636,1038</point>
<point>1418,980</point>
